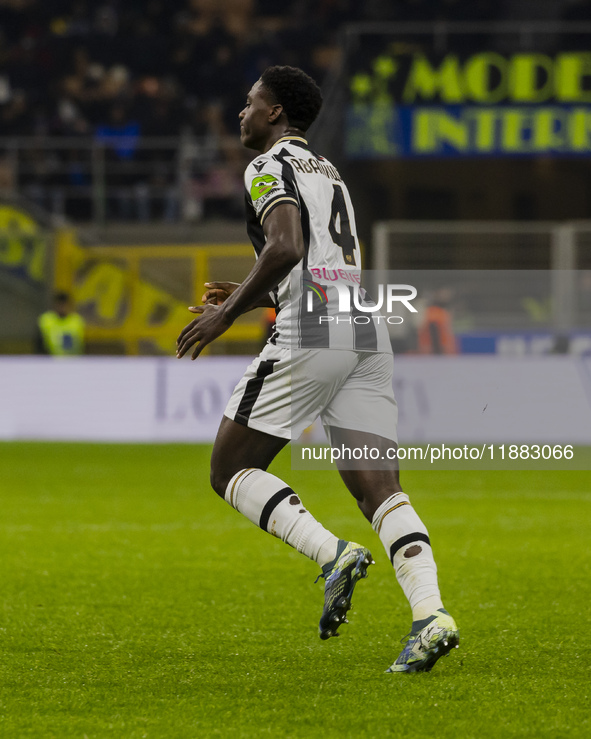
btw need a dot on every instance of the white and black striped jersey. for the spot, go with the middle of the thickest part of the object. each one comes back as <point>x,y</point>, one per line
<point>309,301</point>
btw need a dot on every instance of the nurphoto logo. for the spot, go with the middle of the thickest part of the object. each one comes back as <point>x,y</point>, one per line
<point>352,296</point>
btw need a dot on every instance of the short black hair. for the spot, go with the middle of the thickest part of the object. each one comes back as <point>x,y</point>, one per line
<point>297,92</point>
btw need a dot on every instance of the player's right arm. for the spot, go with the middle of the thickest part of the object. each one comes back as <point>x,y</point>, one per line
<point>270,199</point>
<point>218,292</point>
<point>283,250</point>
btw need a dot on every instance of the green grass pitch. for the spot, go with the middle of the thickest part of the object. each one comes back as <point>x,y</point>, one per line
<point>136,603</point>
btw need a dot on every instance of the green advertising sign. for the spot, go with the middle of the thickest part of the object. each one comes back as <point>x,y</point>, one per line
<point>487,104</point>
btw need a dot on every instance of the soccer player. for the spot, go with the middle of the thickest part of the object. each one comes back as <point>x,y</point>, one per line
<point>301,223</point>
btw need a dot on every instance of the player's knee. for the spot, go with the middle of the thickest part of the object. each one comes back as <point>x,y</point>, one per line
<point>219,480</point>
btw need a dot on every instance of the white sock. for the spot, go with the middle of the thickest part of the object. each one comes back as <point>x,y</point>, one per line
<point>406,541</point>
<point>274,507</point>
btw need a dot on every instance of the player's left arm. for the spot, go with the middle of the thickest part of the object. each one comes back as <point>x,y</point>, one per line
<point>284,248</point>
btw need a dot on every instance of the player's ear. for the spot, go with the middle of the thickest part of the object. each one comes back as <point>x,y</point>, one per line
<point>275,114</point>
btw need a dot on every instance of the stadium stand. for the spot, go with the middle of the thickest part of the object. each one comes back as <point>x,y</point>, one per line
<point>129,74</point>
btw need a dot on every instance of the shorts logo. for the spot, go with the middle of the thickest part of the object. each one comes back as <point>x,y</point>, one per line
<point>261,185</point>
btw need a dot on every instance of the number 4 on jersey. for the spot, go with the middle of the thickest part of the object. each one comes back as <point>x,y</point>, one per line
<point>343,237</point>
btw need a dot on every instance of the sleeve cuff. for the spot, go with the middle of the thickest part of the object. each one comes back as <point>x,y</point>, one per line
<point>277,201</point>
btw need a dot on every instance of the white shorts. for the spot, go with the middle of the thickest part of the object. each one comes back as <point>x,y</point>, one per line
<point>285,390</point>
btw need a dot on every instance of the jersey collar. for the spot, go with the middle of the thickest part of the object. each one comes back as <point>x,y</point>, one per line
<point>283,139</point>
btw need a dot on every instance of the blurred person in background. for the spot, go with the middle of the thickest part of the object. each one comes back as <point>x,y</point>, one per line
<point>435,335</point>
<point>60,331</point>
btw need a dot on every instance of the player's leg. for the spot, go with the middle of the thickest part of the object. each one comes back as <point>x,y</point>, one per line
<point>405,538</point>
<point>259,420</point>
<point>237,448</point>
<point>375,485</point>
<point>366,401</point>
<point>239,474</point>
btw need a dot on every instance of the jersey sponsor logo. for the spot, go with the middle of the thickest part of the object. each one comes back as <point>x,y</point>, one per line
<point>261,185</point>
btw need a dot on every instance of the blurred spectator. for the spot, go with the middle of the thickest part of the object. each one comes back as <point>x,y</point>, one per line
<point>60,332</point>
<point>120,137</point>
<point>15,115</point>
<point>79,57</point>
<point>435,335</point>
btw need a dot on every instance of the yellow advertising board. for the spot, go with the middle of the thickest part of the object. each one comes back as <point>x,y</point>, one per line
<point>138,296</point>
